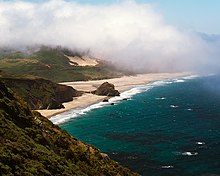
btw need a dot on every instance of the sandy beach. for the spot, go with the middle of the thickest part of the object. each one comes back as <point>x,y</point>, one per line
<point>122,84</point>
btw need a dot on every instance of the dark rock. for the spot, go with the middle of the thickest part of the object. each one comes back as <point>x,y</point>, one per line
<point>112,103</point>
<point>41,93</point>
<point>55,105</point>
<point>125,99</point>
<point>106,89</point>
<point>105,100</point>
<point>65,93</point>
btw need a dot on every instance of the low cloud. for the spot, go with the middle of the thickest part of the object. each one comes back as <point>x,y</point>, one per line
<point>131,35</point>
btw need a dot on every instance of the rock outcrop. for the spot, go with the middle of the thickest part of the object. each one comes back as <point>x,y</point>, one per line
<point>41,93</point>
<point>54,104</point>
<point>106,89</point>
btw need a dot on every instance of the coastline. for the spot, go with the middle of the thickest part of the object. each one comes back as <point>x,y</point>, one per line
<point>121,84</point>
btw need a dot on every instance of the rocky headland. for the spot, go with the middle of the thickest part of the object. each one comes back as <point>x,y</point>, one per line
<point>40,93</point>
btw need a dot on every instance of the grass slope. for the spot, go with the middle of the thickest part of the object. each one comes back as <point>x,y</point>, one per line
<point>31,145</point>
<point>51,63</point>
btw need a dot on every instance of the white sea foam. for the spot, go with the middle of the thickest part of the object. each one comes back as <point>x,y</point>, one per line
<point>190,153</point>
<point>186,153</point>
<point>200,143</point>
<point>190,77</point>
<point>160,98</point>
<point>197,76</point>
<point>63,117</point>
<point>174,106</point>
<point>66,116</point>
<point>166,167</point>
<point>179,80</point>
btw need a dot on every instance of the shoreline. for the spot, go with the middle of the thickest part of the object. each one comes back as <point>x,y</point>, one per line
<point>122,84</point>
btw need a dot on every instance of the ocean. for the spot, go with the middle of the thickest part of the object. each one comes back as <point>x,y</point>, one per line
<point>166,128</point>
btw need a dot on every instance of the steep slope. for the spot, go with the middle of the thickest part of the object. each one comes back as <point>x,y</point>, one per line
<point>31,145</point>
<point>41,93</point>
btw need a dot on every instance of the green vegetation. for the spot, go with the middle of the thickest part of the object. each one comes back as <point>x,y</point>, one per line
<point>52,64</point>
<point>41,93</point>
<point>32,145</point>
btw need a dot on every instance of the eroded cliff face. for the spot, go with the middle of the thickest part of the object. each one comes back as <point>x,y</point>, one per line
<point>32,145</point>
<point>41,93</point>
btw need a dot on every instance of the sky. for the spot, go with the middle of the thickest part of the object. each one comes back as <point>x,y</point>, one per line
<point>196,15</point>
<point>141,35</point>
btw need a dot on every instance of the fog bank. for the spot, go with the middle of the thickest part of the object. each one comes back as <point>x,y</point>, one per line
<point>131,35</point>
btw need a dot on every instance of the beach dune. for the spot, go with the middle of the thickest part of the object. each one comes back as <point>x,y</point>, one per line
<point>121,84</point>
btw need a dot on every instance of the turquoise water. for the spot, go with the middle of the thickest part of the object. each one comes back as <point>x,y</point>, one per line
<point>163,129</point>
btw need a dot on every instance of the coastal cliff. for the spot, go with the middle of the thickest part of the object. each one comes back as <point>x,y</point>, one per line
<point>32,145</point>
<point>40,93</point>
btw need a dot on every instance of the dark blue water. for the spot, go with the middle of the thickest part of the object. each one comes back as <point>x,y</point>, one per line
<point>172,129</point>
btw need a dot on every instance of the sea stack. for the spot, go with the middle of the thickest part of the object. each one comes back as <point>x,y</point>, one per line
<point>106,89</point>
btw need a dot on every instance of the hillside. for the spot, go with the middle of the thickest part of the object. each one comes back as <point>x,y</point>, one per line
<point>41,93</point>
<point>55,63</point>
<point>31,145</point>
